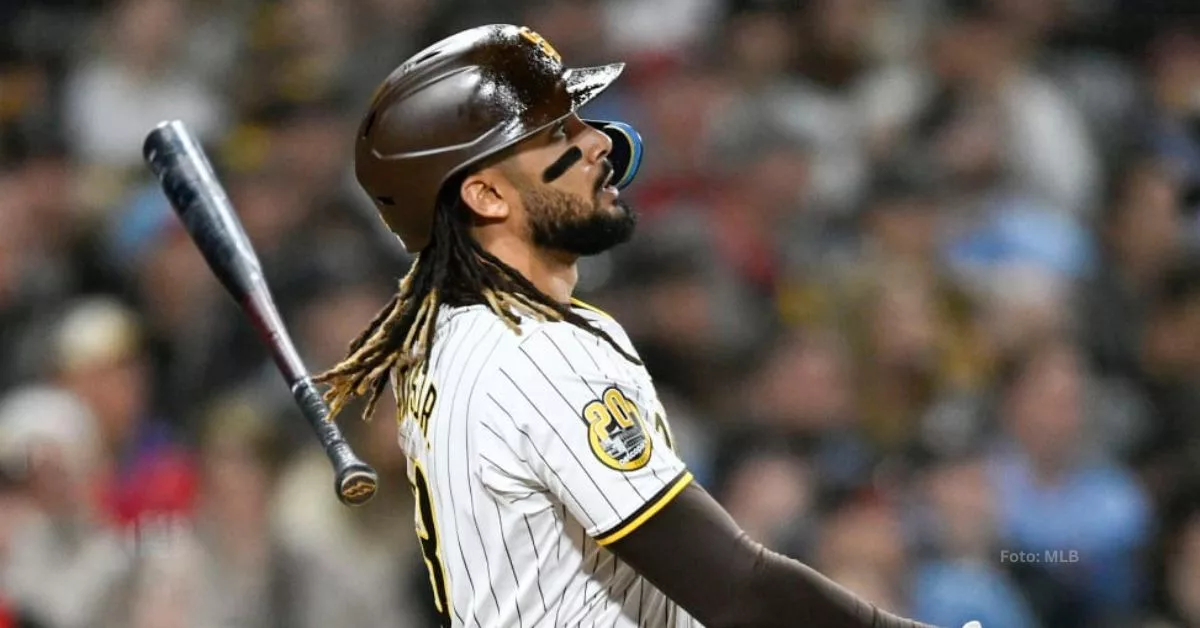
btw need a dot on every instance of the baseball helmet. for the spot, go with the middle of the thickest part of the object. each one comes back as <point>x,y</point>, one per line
<point>462,100</point>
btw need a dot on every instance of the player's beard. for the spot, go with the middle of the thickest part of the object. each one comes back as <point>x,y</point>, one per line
<point>568,222</point>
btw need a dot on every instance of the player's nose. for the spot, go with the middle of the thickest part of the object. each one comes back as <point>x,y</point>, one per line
<point>595,144</point>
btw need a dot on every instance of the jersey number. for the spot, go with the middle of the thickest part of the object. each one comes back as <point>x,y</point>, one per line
<point>428,536</point>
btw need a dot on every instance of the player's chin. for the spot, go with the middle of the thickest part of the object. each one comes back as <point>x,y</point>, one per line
<point>622,222</point>
<point>608,202</point>
<point>617,217</point>
<point>608,226</point>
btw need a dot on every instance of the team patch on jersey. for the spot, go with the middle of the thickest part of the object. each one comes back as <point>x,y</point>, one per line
<point>616,433</point>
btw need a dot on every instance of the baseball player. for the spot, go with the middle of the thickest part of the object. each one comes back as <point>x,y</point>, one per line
<point>548,491</point>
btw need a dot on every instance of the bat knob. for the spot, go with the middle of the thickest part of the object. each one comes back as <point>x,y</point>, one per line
<point>356,485</point>
<point>356,481</point>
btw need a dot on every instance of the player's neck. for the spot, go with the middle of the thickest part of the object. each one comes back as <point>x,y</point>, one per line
<point>553,272</point>
<point>554,277</point>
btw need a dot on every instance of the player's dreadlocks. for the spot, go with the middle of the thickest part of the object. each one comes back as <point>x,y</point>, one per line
<point>452,270</point>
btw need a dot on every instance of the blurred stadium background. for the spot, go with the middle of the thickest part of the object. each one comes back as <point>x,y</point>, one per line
<point>915,279</point>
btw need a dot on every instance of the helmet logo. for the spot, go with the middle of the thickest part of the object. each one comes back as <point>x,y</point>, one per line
<point>541,42</point>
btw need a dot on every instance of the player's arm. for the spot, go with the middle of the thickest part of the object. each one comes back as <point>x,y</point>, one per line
<point>694,552</point>
<point>562,419</point>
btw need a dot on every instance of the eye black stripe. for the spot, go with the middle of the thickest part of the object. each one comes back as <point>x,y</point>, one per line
<point>562,164</point>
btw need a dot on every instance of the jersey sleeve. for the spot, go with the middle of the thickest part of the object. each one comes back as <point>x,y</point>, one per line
<point>577,425</point>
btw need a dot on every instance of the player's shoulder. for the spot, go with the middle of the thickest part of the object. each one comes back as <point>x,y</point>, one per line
<point>585,339</point>
<point>590,311</point>
<point>603,321</point>
<point>546,342</point>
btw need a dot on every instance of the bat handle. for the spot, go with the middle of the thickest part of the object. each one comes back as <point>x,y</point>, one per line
<point>355,480</point>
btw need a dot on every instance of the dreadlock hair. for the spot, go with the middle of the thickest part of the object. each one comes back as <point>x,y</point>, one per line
<point>452,270</point>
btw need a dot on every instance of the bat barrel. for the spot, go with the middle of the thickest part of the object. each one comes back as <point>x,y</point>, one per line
<point>189,183</point>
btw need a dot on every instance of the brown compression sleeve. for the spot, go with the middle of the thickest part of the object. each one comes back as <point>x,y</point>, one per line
<point>694,552</point>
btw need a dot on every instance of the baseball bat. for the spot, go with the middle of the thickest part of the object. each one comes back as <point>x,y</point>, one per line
<point>191,186</point>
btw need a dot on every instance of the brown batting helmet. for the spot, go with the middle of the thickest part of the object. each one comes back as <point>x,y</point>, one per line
<point>461,100</point>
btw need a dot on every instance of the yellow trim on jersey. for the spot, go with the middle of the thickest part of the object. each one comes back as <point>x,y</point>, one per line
<point>590,307</point>
<point>625,530</point>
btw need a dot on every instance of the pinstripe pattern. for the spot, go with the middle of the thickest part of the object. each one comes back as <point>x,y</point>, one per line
<point>518,491</point>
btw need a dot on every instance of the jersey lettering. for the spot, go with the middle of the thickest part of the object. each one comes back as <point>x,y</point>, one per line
<point>422,397</point>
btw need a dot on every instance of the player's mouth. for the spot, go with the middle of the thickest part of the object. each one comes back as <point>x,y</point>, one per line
<point>604,183</point>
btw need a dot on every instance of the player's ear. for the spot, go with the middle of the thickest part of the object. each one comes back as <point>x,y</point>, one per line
<point>488,194</point>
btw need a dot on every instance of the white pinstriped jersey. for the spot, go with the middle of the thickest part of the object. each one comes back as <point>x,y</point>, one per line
<point>528,454</point>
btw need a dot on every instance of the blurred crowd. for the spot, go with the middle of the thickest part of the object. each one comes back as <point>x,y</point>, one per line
<point>917,281</point>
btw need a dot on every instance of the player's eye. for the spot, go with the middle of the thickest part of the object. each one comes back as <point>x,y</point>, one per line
<point>560,130</point>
